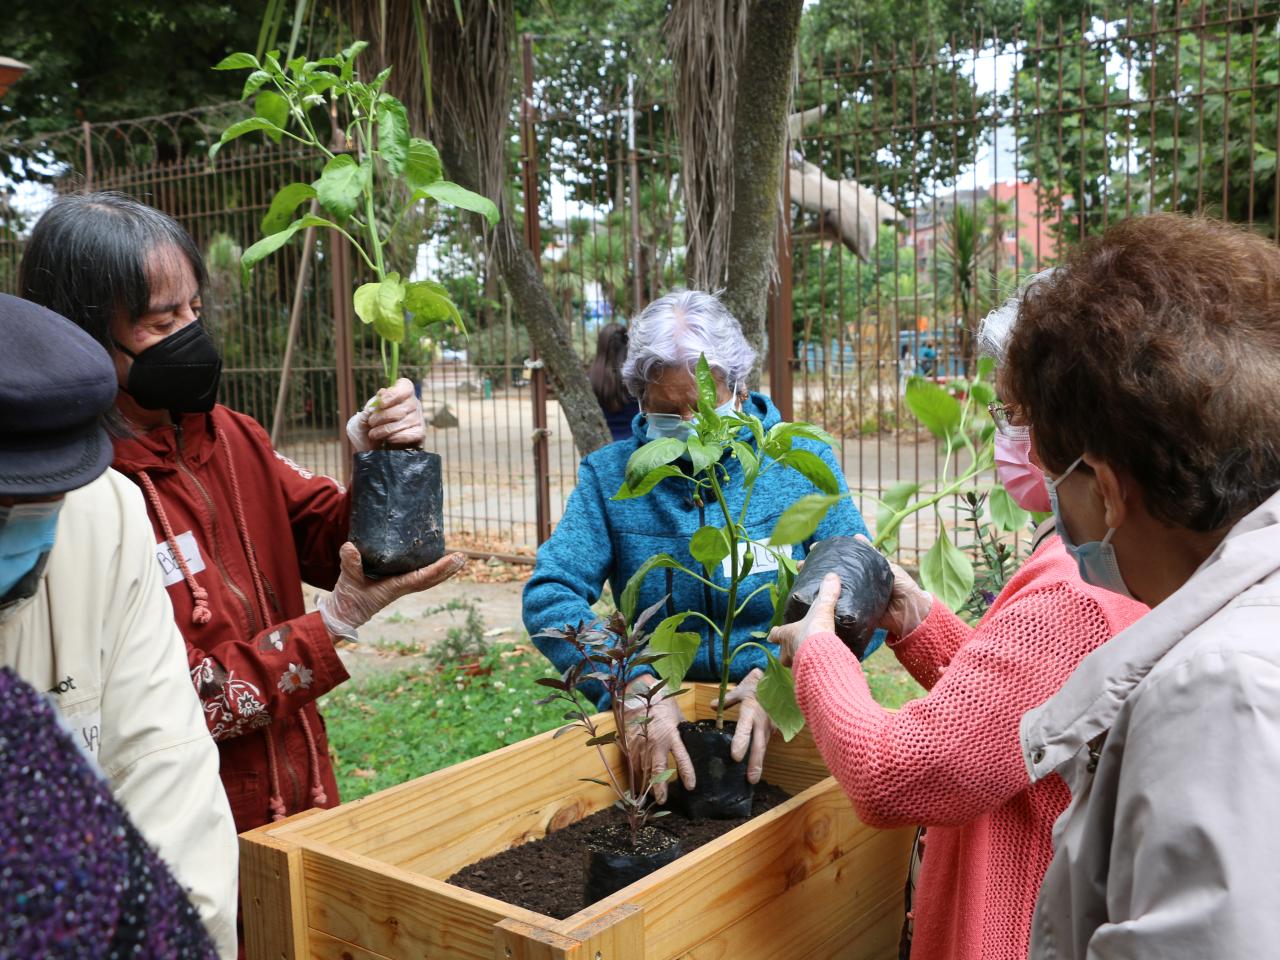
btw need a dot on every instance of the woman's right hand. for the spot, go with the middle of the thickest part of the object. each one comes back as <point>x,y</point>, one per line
<point>908,604</point>
<point>657,738</point>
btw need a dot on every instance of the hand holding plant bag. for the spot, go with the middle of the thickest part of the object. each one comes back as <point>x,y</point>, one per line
<point>397,495</point>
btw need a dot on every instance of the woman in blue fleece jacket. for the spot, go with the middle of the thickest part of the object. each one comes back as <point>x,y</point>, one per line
<point>600,539</point>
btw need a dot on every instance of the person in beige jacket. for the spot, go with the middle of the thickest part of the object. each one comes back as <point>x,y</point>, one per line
<point>1148,369</point>
<point>84,616</point>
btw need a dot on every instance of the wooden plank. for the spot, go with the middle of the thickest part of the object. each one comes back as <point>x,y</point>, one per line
<point>615,935</point>
<point>392,912</point>
<point>273,897</point>
<point>325,947</point>
<point>752,865</point>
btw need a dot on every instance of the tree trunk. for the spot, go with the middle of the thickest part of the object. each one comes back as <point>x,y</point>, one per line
<point>759,139</point>
<point>547,329</point>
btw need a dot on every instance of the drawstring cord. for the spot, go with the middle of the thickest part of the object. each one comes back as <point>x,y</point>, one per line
<point>276,800</point>
<point>200,613</point>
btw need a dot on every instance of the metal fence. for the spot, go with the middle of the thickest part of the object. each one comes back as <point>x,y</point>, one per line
<point>923,184</point>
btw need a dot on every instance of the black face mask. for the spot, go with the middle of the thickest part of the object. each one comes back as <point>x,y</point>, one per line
<point>179,374</point>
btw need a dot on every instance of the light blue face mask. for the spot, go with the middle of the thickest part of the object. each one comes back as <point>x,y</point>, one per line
<point>659,426</point>
<point>1096,560</point>
<point>26,535</point>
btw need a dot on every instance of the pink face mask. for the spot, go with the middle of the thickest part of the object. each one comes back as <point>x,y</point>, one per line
<point>1022,478</point>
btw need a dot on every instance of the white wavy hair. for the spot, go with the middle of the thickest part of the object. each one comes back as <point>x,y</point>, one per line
<point>997,326</point>
<point>675,330</point>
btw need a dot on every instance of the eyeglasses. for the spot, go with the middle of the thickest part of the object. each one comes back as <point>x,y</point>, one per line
<point>1003,414</point>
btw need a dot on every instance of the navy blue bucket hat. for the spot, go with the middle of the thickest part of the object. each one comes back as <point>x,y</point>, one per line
<point>56,382</point>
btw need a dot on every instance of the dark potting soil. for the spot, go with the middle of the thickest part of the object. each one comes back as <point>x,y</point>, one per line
<point>545,875</point>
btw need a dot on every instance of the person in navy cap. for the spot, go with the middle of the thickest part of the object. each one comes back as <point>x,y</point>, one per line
<point>84,617</point>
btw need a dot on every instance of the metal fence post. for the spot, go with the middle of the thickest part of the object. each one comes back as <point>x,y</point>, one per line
<point>533,238</point>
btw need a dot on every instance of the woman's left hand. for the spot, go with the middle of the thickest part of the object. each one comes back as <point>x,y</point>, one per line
<point>754,726</point>
<point>821,618</point>
<point>391,418</point>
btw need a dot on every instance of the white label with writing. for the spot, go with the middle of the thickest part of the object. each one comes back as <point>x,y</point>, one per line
<point>169,564</point>
<point>764,559</point>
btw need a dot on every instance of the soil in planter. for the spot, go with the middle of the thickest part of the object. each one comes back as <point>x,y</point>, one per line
<point>546,875</point>
<point>397,510</point>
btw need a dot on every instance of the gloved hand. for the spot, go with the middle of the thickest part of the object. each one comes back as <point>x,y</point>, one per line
<point>356,598</point>
<point>908,603</point>
<point>821,618</point>
<point>392,417</point>
<point>659,737</point>
<point>754,726</point>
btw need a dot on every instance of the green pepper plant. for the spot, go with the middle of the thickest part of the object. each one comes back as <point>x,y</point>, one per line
<point>957,415</point>
<point>387,176</point>
<point>714,440</point>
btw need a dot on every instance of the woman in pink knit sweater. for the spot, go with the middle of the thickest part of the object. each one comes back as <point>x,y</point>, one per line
<point>951,760</point>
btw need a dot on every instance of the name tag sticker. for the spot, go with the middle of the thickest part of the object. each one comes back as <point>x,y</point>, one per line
<point>764,560</point>
<point>168,563</point>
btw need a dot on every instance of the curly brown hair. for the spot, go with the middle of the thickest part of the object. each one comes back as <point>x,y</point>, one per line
<point>1157,350</point>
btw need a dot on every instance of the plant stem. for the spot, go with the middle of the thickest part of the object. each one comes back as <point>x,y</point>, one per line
<point>731,530</point>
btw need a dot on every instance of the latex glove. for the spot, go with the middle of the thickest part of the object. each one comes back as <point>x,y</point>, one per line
<point>821,618</point>
<point>659,737</point>
<point>908,603</point>
<point>754,726</point>
<point>356,598</point>
<point>392,417</point>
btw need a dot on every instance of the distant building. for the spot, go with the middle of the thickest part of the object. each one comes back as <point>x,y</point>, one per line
<point>1028,242</point>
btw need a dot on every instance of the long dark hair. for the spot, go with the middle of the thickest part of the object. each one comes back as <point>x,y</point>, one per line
<point>87,259</point>
<point>606,370</point>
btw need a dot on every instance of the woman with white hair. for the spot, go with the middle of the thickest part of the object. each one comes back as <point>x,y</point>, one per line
<point>600,539</point>
<point>950,761</point>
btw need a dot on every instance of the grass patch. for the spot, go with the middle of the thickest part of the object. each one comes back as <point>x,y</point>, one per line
<point>385,729</point>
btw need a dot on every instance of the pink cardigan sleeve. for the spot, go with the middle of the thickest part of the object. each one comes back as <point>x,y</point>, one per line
<point>928,649</point>
<point>952,755</point>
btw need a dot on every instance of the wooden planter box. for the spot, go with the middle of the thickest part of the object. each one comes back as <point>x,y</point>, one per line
<point>365,880</point>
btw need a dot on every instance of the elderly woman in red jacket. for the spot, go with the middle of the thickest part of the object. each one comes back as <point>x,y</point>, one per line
<point>239,527</point>
<point>951,760</point>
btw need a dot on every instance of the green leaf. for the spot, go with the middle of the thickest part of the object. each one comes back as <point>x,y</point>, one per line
<point>353,51</point>
<point>801,519</point>
<point>240,129</point>
<point>393,133</point>
<point>1005,513</point>
<point>781,436</point>
<point>283,204</point>
<point>702,455</point>
<point>237,61</point>
<point>982,393</point>
<point>253,83</point>
<point>382,304</point>
<point>449,193</point>
<point>430,303</point>
<point>270,244</point>
<point>678,648</point>
<point>341,185</point>
<point>422,167</point>
<point>934,407</point>
<point>750,462</point>
<point>946,572</point>
<point>631,592</point>
<point>708,397</point>
<point>813,467</point>
<point>275,110</point>
<point>709,546</point>
<point>777,694</point>
<point>649,457</point>
<point>651,480</point>
<point>986,369</point>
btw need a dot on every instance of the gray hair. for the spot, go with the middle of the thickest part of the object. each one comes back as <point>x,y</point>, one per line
<point>676,329</point>
<point>996,328</point>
